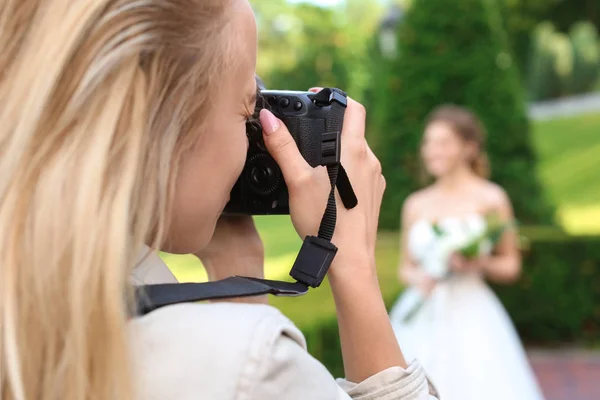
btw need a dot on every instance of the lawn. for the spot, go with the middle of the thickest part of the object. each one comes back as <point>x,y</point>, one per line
<point>281,246</point>
<point>569,165</point>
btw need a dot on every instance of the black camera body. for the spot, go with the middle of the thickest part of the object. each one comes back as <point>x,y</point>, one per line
<point>261,189</point>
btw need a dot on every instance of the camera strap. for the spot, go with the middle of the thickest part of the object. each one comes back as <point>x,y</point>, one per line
<point>316,254</point>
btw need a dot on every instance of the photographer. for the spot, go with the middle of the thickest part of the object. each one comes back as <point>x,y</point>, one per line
<point>123,125</point>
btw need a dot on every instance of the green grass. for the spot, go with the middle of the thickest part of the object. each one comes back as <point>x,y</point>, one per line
<point>281,245</point>
<point>568,150</point>
<point>569,166</point>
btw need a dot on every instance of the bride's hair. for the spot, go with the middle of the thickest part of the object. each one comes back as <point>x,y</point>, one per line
<point>100,98</point>
<point>468,126</point>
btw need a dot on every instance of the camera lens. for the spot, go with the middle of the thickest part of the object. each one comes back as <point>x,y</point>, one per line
<point>262,174</point>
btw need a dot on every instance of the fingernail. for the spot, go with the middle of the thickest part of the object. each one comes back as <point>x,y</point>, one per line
<point>269,122</point>
<point>315,89</point>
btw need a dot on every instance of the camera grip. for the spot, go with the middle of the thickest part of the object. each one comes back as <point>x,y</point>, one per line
<point>307,133</point>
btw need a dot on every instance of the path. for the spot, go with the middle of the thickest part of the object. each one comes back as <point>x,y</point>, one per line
<point>567,107</point>
<point>567,374</point>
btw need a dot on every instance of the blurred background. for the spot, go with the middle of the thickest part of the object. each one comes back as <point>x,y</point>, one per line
<point>531,71</point>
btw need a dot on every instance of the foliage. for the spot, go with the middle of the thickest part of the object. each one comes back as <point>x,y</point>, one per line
<point>586,57</point>
<point>560,289</point>
<point>562,64</point>
<point>320,57</point>
<point>298,42</point>
<point>458,53</point>
<point>278,34</point>
<point>544,71</point>
<point>566,13</point>
<point>523,16</point>
<point>303,45</point>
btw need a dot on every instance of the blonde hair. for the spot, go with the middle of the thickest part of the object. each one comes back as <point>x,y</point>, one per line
<point>469,127</point>
<point>98,101</point>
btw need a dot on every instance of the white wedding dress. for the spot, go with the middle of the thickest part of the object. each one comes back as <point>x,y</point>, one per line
<point>462,335</point>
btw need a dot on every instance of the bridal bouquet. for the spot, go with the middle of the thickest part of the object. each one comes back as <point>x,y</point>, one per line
<point>470,237</point>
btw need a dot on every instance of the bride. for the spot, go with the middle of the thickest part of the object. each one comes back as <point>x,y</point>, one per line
<point>460,333</point>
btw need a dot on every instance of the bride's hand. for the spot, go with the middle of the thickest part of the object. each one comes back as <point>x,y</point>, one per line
<point>424,282</point>
<point>461,264</point>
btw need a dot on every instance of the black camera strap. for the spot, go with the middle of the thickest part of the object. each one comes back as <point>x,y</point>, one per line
<point>315,256</point>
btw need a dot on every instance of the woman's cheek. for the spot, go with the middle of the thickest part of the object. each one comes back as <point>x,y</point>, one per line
<point>241,151</point>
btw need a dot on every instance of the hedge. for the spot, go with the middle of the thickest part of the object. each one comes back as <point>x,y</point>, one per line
<point>557,299</point>
<point>453,52</point>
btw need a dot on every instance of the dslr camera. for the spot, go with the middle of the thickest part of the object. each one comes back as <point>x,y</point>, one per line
<point>314,121</point>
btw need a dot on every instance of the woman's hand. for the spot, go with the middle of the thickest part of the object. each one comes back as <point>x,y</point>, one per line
<point>412,275</point>
<point>424,282</point>
<point>235,249</point>
<point>366,336</point>
<point>461,264</point>
<point>356,229</point>
<point>308,187</point>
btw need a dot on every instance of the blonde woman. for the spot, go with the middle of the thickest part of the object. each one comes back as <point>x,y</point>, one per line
<point>123,125</point>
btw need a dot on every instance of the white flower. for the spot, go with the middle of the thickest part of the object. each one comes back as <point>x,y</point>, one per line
<point>458,236</point>
<point>421,238</point>
<point>435,267</point>
<point>436,261</point>
<point>475,225</point>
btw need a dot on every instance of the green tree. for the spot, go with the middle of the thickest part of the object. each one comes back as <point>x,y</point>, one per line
<point>302,45</point>
<point>278,34</point>
<point>454,52</point>
<point>319,52</point>
<point>361,18</point>
<point>523,16</point>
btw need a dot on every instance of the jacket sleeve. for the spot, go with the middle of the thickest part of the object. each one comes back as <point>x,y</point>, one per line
<point>290,372</point>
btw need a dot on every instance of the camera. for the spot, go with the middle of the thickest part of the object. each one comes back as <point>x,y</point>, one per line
<point>261,189</point>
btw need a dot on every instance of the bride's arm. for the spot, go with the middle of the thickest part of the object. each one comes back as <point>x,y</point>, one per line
<point>406,267</point>
<point>408,271</point>
<point>504,265</point>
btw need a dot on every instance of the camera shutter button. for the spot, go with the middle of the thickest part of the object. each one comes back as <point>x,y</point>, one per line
<point>284,102</point>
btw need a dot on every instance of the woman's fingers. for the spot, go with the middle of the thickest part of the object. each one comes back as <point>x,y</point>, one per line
<point>283,149</point>
<point>354,121</point>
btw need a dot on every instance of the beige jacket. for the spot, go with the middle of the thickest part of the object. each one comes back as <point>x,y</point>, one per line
<point>230,351</point>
